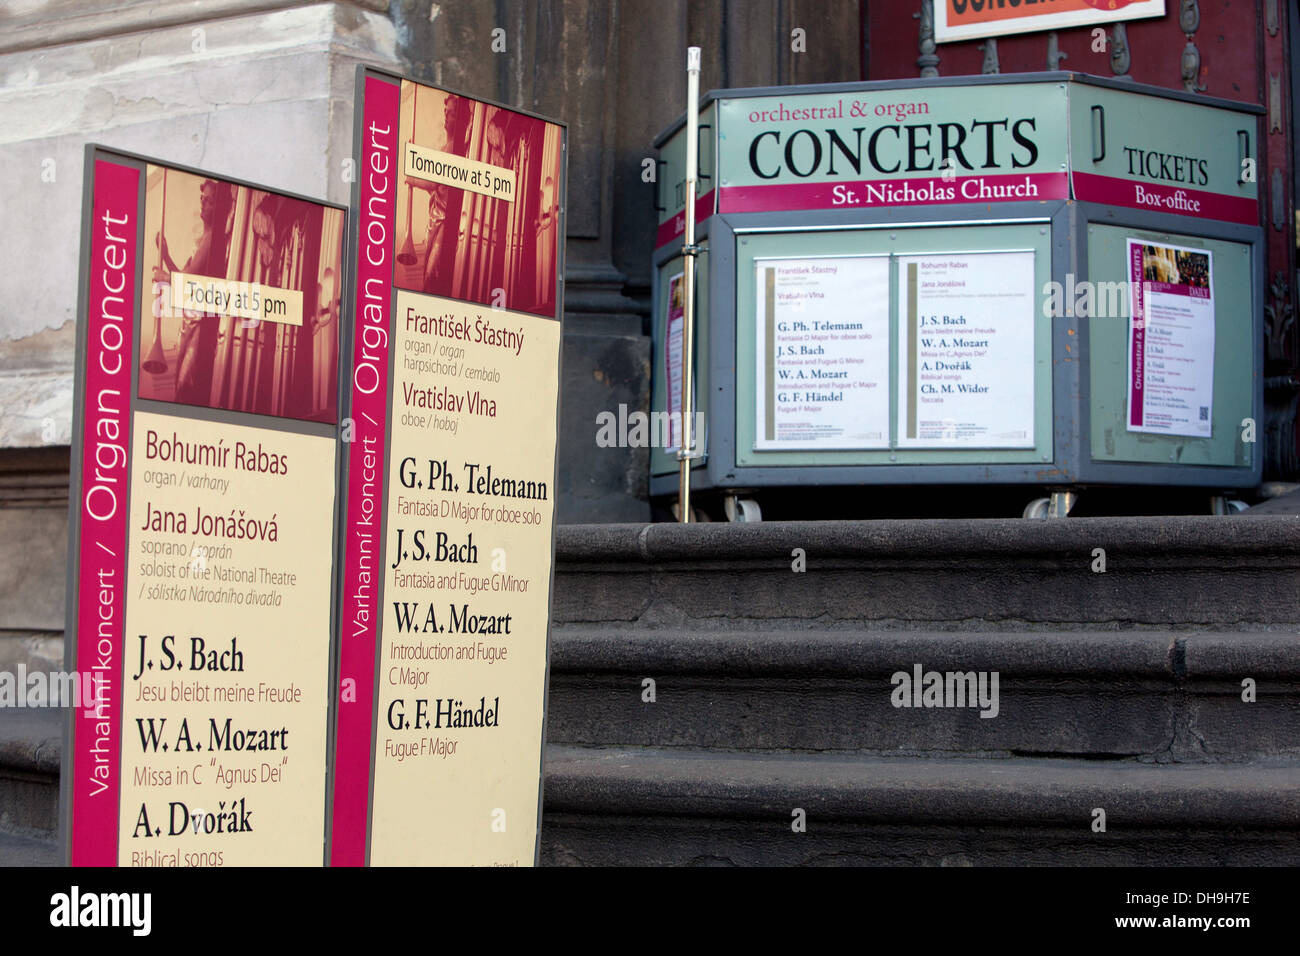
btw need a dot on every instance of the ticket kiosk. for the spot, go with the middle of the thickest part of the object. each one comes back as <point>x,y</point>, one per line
<point>1046,280</point>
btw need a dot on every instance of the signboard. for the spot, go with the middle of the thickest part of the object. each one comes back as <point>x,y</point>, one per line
<point>203,504</point>
<point>966,350</point>
<point>1163,155</point>
<point>893,148</point>
<point>823,352</point>
<point>967,181</point>
<point>1171,340</point>
<point>969,19</point>
<point>887,146</point>
<point>448,535</point>
<point>661,428</point>
<point>673,359</point>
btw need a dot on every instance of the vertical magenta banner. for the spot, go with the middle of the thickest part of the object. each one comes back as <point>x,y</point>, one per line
<point>1137,357</point>
<point>101,553</point>
<point>367,460</point>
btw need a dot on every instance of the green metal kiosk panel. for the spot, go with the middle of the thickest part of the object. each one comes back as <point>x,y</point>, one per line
<point>1234,383</point>
<point>1162,155</point>
<point>886,240</point>
<point>891,135</point>
<point>670,176</point>
<point>661,461</point>
<point>857,170</point>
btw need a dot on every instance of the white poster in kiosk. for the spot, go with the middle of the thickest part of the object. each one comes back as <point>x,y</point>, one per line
<point>823,353</point>
<point>1171,340</point>
<point>966,350</point>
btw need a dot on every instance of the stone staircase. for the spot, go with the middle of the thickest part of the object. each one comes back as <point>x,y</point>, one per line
<point>34,529</point>
<point>1118,691</point>
<point>30,746</point>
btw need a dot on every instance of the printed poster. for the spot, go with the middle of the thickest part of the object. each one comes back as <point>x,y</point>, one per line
<point>673,360</point>
<point>1171,340</point>
<point>676,327</point>
<point>823,353</point>
<point>966,350</point>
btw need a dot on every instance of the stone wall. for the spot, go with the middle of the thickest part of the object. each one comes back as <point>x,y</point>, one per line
<point>253,89</point>
<point>262,90</point>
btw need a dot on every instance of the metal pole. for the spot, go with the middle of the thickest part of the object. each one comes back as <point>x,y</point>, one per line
<point>686,450</point>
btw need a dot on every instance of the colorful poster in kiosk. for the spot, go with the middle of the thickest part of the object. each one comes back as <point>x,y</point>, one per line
<point>1171,340</point>
<point>676,330</point>
<point>823,352</point>
<point>673,359</point>
<point>448,535</point>
<point>203,505</point>
<point>966,350</point>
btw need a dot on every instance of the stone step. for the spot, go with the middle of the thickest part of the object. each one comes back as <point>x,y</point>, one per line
<point>33,650</point>
<point>27,851</point>
<point>1119,690</point>
<point>31,745</point>
<point>1178,572</point>
<point>647,807</point>
<point>611,805</point>
<point>1160,695</point>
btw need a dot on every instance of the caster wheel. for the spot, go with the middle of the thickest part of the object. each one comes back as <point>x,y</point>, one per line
<point>1037,508</point>
<point>743,510</point>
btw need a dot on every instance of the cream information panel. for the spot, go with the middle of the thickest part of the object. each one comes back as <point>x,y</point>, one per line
<point>227,646</point>
<point>462,656</point>
<point>966,350</point>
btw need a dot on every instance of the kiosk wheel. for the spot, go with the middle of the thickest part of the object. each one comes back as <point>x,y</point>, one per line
<point>744,510</point>
<point>1058,505</point>
<point>1037,508</point>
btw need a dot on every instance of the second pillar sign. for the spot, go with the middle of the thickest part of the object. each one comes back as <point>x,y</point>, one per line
<point>448,534</point>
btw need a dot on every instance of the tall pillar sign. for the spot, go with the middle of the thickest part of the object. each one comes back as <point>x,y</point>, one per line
<point>448,537</point>
<point>203,521</point>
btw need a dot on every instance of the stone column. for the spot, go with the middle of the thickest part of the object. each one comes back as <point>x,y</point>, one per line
<point>614,72</point>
